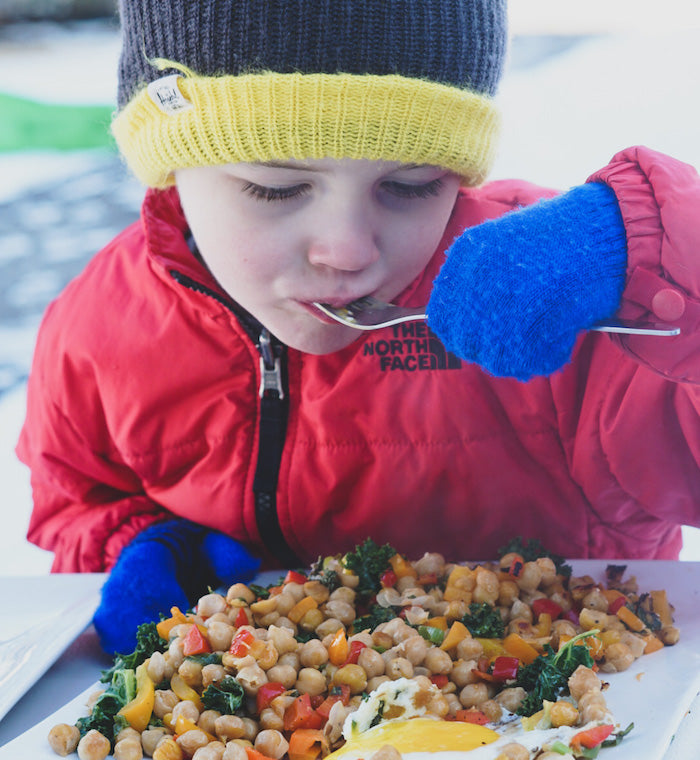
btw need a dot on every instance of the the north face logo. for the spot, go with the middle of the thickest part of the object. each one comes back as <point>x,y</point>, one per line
<point>412,347</point>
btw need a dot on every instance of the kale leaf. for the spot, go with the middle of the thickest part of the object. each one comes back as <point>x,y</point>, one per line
<point>368,562</point>
<point>225,695</point>
<point>547,676</point>
<point>210,658</point>
<point>103,716</point>
<point>531,549</point>
<point>484,621</point>
<point>373,618</point>
<point>148,641</point>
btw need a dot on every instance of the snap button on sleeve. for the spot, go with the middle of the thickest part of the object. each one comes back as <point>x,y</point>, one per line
<point>668,304</point>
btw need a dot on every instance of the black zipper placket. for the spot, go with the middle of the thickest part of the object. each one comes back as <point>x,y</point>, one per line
<point>272,428</point>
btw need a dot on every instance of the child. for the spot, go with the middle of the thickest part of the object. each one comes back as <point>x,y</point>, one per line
<point>190,410</point>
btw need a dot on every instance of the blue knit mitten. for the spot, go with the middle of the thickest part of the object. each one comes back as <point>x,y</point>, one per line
<point>515,292</point>
<point>169,564</point>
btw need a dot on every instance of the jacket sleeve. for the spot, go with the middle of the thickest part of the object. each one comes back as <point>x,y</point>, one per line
<point>631,417</point>
<point>660,202</point>
<point>87,504</point>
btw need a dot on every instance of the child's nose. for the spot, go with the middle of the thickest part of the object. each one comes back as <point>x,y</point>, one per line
<point>350,247</point>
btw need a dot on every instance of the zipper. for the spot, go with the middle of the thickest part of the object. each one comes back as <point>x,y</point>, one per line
<point>272,426</point>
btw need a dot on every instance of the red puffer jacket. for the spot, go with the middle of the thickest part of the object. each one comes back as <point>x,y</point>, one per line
<point>143,402</point>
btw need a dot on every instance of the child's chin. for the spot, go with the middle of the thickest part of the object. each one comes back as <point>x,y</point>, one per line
<point>324,339</point>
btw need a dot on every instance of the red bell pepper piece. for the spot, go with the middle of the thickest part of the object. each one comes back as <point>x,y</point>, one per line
<point>240,645</point>
<point>591,737</point>
<point>428,579</point>
<point>241,618</point>
<point>354,653</point>
<point>337,694</point>
<point>472,716</point>
<point>440,680</point>
<point>195,642</point>
<point>388,579</point>
<point>546,605</point>
<point>253,754</point>
<point>293,576</point>
<point>267,692</point>
<point>617,602</point>
<point>516,566</point>
<point>505,668</point>
<point>301,714</point>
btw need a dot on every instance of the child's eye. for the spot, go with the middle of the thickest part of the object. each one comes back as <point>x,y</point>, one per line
<point>260,192</point>
<point>404,190</point>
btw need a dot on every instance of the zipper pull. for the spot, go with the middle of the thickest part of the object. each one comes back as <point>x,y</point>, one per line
<point>270,367</point>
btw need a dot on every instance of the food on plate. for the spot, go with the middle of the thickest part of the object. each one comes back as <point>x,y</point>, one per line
<point>371,655</point>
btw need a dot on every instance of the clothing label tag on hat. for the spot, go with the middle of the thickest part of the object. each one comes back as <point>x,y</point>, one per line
<point>166,95</point>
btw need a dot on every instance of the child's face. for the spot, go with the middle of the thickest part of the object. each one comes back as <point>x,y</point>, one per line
<point>279,236</point>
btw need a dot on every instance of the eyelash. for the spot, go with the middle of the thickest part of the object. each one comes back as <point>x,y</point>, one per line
<point>399,189</point>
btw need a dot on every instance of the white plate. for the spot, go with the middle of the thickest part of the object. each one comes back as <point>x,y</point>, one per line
<point>654,693</point>
<point>41,615</point>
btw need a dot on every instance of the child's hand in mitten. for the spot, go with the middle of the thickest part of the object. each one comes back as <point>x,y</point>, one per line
<point>169,564</point>
<point>515,292</point>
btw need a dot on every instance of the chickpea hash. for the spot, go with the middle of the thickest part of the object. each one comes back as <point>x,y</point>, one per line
<point>341,659</point>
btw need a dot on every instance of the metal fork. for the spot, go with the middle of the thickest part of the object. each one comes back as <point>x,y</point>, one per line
<point>369,313</point>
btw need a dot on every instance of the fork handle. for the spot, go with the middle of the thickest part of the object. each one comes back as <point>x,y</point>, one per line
<point>636,327</point>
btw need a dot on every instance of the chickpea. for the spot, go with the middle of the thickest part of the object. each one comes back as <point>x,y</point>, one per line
<point>190,741</point>
<point>492,710</point>
<point>328,627</point>
<point>271,618</point>
<point>234,751</point>
<point>207,720</point>
<point>469,649</point>
<point>635,643</point>
<point>343,594</point>
<point>511,698</point>
<point>354,677</point>
<point>64,739</point>
<point>213,751</point>
<point>618,657</point>
<point>270,719</point>
<point>283,640</point>
<point>462,672</point>
<point>381,638</point>
<point>210,604</point>
<point>508,592</point>
<point>595,600</point>
<point>669,635</point>
<point>430,562</point>
<point>291,659</point>
<point>590,619</point>
<point>296,590</point>
<point>268,657</point>
<point>387,752</point>
<point>340,610</point>
<point>514,751</point>
<point>454,703</point>
<point>473,694</point>
<point>251,678</point>
<point>548,570</point>
<point>563,713</point>
<point>521,611</point>
<point>187,709</point>
<point>486,589</point>
<point>438,705</point>
<point>311,620</point>
<point>530,577</point>
<point>220,635</point>
<point>271,743</point>
<point>128,749</point>
<point>374,682</point>
<point>191,673</point>
<point>454,610</point>
<point>313,654</point>
<point>285,602</point>
<point>167,750</point>
<point>317,591</point>
<point>281,703</point>
<point>156,667</point>
<point>372,663</point>
<point>414,649</point>
<point>212,673</point>
<point>399,667</point>
<point>93,746</point>
<point>165,701</point>
<point>311,681</point>
<point>176,655</point>
<point>284,674</point>
<point>240,591</point>
<point>264,606</point>
<point>590,698</point>
<point>229,727</point>
<point>90,702</point>
<point>251,729</point>
<point>438,661</point>
<point>562,598</point>
<point>150,739</point>
<point>593,708</point>
<point>582,680</point>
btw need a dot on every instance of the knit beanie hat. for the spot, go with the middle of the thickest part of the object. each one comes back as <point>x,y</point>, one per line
<point>206,82</point>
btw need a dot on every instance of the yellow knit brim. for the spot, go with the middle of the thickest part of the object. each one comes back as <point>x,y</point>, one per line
<point>271,116</point>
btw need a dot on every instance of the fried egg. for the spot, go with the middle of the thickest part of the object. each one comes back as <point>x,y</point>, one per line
<point>396,714</point>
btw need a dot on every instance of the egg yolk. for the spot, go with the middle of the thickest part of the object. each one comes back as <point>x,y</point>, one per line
<point>417,735</point>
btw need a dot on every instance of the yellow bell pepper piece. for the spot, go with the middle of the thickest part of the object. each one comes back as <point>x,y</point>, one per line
<point>339,648</point>
<point>402,567</point>
<point>437,622</point>
<point>492,647</point>
<point>177,617</point>
<point>457,632</point>
<point>183,724</point>
<point>301,608</point>
<point>185,692</point>
<point>138,711</point>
